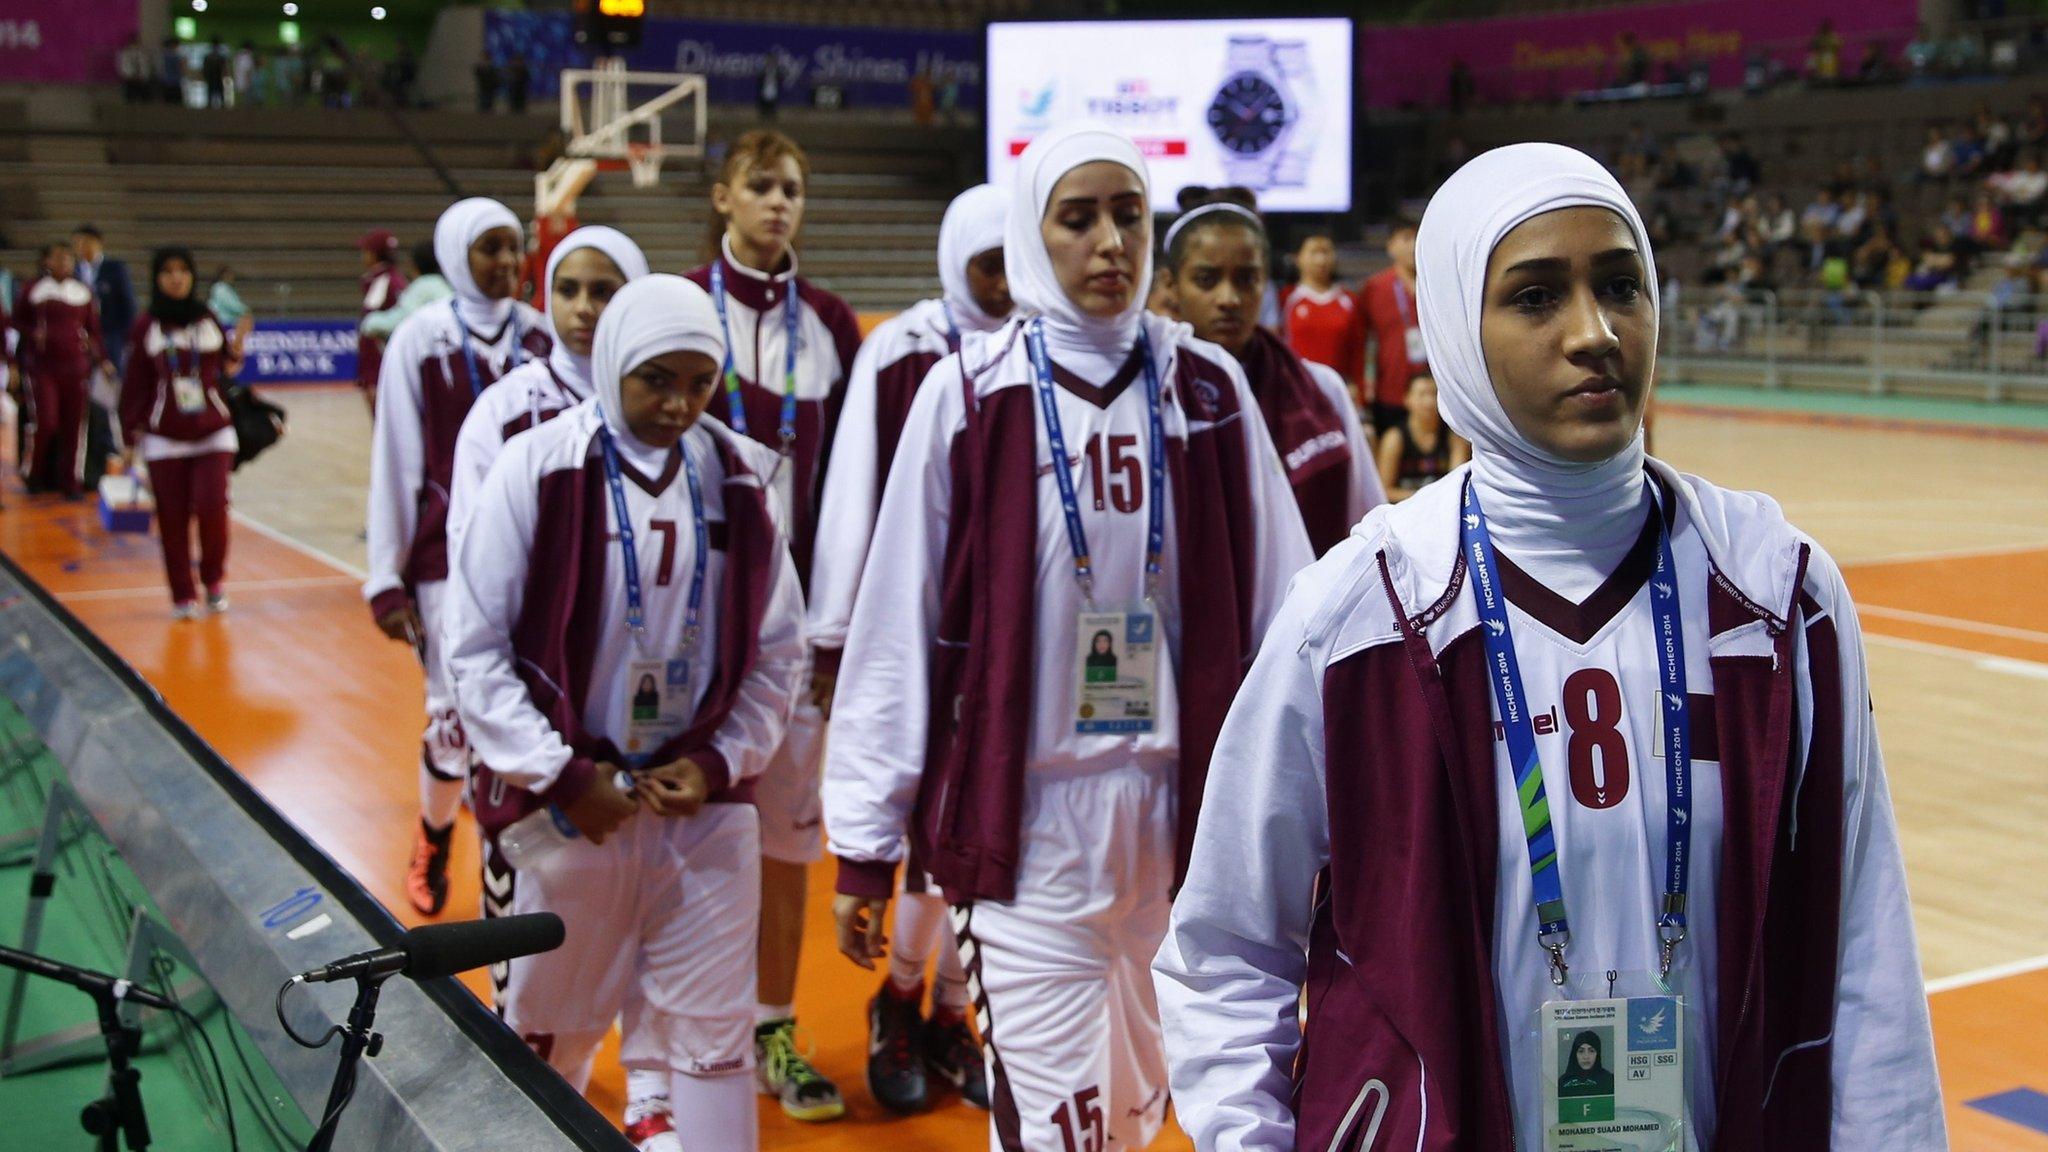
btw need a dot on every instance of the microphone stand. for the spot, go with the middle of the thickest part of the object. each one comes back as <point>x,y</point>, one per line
<point>357,1040</point>
<point>119,1113</point>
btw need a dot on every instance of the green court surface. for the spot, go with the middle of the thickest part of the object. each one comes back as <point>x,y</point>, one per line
<point>86,922</point>
<point>1857,406</point>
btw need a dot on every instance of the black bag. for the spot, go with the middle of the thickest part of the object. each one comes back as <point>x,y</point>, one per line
<point>258,422</point>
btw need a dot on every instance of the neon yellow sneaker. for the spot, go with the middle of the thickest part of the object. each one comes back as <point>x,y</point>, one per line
<point>786,1074</point>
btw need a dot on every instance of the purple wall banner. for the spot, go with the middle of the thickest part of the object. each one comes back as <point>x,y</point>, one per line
<point>299,351</point>
<point>1544,57</point>
<point>63,41</point>
<point>872,67</point>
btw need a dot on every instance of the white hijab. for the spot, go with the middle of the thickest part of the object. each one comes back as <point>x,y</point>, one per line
<point>617,247</point>
<point>652,316</point>
<point>974,224</point>
<point>1566,522</point>
<point>458,228</point>
<point>1033,283</point>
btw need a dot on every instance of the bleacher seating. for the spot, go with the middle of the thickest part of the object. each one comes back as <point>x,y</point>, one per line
<point>282,195</point>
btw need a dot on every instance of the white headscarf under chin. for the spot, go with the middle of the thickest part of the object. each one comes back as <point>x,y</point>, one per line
<point>622,252</point>
<point>458,228</point>
<point>652,316</point>
<point>1556,513</point>
<point>974,224</point>
<point>1033,283</point>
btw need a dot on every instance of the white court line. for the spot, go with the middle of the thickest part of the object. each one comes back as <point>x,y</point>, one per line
<point>2015,667</point>
<point>1951,554</point>
<point>302,548</point>
<point>1958,624</point>
<point>1983,662</point>
<point>1987,975</point>
<point>233,585</point>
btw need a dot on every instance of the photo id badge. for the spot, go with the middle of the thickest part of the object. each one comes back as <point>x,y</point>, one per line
<point>188,394</point>
<point>658,705</point>
<point>1614,1075</point>
<point>1417,353</point>
<point>1117,655</point>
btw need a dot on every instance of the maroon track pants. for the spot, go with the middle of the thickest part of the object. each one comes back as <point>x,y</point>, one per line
<point>195,487</point>
<point>59,400</point>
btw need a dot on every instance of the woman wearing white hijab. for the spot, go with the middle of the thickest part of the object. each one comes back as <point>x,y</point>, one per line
<point>624,599</point>
<point>892,362</point>
<point>1570,740</point>
<point>439,361</point>
<point>584,272</point>
<point>1080,543</point>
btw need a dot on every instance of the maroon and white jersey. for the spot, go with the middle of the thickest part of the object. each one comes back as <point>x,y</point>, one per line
<point>381,286</point>
<point>499,545</point>
<point>891,364</point>
<point>828,335</point>
<point>881,715</point>
<point>171,400</point>
<point>59,322</point>
<point>1354,758</point>
<point>528,396</point>
<point>424,391</point>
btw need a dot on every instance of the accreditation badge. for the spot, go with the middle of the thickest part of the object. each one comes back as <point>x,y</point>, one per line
<point>1614,1075</point>
<point>1418,354</point>
<point>1117,658</point>
<point>188,394</point>
<point>658,703</point>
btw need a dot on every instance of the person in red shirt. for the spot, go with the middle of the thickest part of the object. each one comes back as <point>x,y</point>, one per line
<point>1323,322</point>
<point>60,344</point>
<point>1388,301</point>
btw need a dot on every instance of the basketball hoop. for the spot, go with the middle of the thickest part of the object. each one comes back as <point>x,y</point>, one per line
<point>644,161</point>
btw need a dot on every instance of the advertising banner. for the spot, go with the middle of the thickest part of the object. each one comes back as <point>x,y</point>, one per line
<point>871,67</point>
<point>62,41</point>
<point>1261,103</point>
<point>1545,57</point>
<point>299,351</point>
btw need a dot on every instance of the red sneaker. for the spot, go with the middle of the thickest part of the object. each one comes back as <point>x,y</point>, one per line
<point>426,880</point>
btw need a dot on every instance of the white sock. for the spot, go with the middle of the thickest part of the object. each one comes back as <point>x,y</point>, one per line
<point>771,1013</point>
<point>720,1110</point>
<point>440,799</point>
<point>921,923</point>
<point>646,1093</point>
<point>950,989</point>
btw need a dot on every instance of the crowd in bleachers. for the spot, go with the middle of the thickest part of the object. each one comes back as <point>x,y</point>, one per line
<point>213,74</point>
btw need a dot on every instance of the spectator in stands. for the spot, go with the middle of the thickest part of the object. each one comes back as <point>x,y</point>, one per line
<point>227,307</point>
<point>1987,225</point>
<point>428,287</point>
<point>115,294</point>
<point>1817,221</point>
<point>1937,159</point>
<point>1777,223</point>
<point>174,415</point>
<point>1634,66</point>
<point>2033,125</point>
<point>213,68</point>
<point>768,96</point>
<point>1871,264</point>
<point>1852,224</point>
<point>137,71</point>
<point>1923,52</point>
<point>1876,65</point>
<point>1941,262</point>
<point>1824,54</point>
<point>949,97</point>
<point>1323,322</point>
<point>405,74</point>
<point>288,76</point>
<point>2024,191</point>
<point>1388,302</point>
<point>1964,55</point>
<point>923,99</point>
<point>1959,221</point>
<point>2000,149</point>
<point>488,79</point>
<point>518,84</point>
<point>170,71</point>
<point>245,73</point>
<point>1740,169</point>
<point>60,345</point>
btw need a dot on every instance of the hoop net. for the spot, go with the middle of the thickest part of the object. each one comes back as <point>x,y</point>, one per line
<point>644,162</point>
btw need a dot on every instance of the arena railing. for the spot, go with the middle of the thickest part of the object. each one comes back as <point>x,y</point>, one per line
<point>254,901</point>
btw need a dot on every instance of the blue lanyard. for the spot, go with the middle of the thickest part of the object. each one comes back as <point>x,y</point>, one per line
<point>636,620</point>
<point>1553,926</point>
<point>733,402</point>
<point>952,329</point>
<point>1155,496</point>
<point>476,378</point>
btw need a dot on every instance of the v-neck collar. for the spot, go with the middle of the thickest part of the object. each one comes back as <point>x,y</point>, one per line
<point>657,485</point>
<point>1580,622</point>
<point>1102,396</point>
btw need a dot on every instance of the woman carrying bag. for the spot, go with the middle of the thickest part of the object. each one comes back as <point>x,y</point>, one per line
<point>175,415</point>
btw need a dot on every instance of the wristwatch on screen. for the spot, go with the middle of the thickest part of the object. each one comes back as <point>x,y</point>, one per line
<point>1256,114</point>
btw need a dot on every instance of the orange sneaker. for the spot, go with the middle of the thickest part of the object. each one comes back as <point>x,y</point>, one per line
<point>426,881</point>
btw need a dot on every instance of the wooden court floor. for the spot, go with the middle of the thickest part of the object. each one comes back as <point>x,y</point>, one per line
<point>1944,537</point>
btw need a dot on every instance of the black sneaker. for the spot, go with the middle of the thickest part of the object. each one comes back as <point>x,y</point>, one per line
<point>426,878</point>
<point>895,1075</point>
<point>952,1055</point>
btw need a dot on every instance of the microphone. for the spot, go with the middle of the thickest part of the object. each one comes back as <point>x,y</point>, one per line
<point>445,949</point>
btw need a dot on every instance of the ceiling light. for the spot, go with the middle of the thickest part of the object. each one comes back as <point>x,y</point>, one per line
<point>291,9</point>
<point>376,13</point>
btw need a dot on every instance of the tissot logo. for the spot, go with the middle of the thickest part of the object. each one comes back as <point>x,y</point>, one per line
<point>1133,99</point>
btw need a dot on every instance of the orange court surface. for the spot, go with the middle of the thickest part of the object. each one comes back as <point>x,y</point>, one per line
<point>1943,534</point>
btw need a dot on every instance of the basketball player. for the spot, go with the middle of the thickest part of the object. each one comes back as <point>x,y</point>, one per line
<point>1084,467</point>
<point>631,541</point>
<point>1386,302</point>
<point>1568,735</point>
<point>1216,266</point>
<point>902,1046</point>
<point>789,346</point>
<point>438,362</point>
<point>61,344</point>
<point>1324,325</point>
<point>583,273</point>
